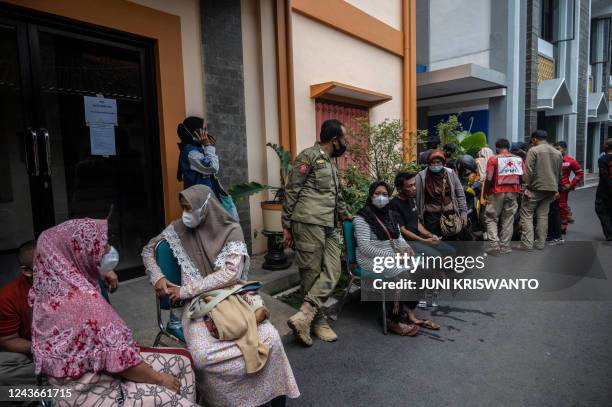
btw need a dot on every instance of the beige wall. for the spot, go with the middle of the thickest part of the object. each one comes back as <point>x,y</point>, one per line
<point>387,11</point>
<point>322,54</point>
<point>189,13</point>
<point>260,93</point>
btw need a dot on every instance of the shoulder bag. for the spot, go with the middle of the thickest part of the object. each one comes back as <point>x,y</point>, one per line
<point>450,223</point>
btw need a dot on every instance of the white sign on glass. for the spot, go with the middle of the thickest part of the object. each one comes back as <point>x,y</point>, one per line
<point>102,138</point>
<point>99,110</point>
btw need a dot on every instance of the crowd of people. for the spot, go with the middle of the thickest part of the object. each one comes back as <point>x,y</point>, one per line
<point>519,192</point>
<point>56,326</point>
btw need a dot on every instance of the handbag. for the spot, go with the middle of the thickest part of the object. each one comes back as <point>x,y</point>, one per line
<point>450,222</point>
<point>391,241</point>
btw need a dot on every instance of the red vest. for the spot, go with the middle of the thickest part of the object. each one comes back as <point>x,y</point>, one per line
<point>509,169</point>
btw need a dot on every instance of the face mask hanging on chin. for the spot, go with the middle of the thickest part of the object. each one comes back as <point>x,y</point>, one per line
<point>194,218</point>
<point>109,261</point>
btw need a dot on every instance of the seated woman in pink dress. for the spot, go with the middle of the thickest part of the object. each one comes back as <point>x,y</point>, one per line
<point>209,246</point>
<point>79,341</point>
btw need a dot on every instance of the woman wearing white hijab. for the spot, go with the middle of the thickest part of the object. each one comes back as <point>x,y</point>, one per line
<point>209,246</point>
<point>481,161</point>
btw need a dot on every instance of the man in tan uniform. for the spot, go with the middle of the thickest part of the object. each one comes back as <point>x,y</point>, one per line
<point>543,170</point>
<point>312,208</point>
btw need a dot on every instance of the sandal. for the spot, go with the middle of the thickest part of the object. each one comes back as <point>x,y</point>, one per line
<point>402,329</point>
<point>426,323</point>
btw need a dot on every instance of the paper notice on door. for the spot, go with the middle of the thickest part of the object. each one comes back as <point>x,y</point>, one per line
<point>100,110</point>
<point>102,138</point>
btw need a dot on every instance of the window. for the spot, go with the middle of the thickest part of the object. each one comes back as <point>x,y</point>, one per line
<point>600,40</point>
<point>557,21</point>
<point>546,24</point>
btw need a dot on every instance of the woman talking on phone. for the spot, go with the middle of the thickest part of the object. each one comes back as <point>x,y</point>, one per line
<point>198,160</point>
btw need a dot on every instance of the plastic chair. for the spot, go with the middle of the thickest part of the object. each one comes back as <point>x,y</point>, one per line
<point>103,290</point>
<point>172,271</point>
<point>356,272</point>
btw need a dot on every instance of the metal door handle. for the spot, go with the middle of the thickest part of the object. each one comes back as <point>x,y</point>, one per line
<point>45,134</point>
<point>34,138</point>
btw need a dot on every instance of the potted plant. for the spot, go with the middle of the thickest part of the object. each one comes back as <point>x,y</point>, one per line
<point>275,258</point>
<point>271,209</point>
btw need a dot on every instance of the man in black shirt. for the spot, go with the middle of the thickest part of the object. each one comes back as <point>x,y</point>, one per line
<point>420,239</point>
<point>603,197</point>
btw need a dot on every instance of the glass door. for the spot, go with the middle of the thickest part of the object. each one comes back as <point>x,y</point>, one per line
<point>19,168</point>
<point>115,180</point>
<point>58,161</point>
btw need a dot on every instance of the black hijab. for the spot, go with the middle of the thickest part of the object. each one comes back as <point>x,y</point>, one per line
<point>186,132</point>
<point>370,213</point>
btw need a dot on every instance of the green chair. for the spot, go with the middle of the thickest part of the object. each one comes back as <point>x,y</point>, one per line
<point>103,290</point>
<point>172,271</point>
<point>356,272</point>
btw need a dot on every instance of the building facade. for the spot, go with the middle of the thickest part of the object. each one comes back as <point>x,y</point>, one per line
<point>512,67</point>
<point>259,70</point>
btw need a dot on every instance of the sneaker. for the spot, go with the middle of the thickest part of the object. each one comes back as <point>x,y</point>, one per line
<point>553,242</point>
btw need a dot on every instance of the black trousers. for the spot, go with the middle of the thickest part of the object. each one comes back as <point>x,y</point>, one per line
<point>432,222</point>
<point>554,221</point>
<point>603,208</point>
<point>279,401</point>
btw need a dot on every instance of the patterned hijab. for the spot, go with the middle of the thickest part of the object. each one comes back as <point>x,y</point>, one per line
<point>216,231</point>
<point>74,330</point>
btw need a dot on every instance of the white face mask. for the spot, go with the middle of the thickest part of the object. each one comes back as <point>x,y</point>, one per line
<point>380,201</point>
<point>109,261</point>
<point>190,220</point>
<point>194,218</point>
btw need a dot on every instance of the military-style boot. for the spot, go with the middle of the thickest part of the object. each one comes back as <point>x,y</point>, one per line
<point>300,323</point>
<point>322,330</point>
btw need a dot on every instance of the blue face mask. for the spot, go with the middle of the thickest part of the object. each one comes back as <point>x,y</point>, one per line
<point>436,168</point>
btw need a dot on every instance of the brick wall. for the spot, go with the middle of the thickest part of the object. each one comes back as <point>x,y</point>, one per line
<point>224,93</point>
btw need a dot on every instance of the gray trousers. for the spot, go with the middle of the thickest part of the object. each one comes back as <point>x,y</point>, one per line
<point>539,205</point>
<point>499,215</point>
<point>16,369</point>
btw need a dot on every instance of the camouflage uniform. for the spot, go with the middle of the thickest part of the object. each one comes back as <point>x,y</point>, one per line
<point>313,206</point>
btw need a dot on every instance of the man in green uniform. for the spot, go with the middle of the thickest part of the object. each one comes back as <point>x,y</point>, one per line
<point>312,208</point>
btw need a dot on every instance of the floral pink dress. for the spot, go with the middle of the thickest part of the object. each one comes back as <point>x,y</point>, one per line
<point>76,334</point>
<point>74,330</point>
